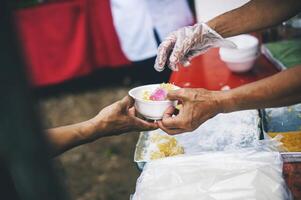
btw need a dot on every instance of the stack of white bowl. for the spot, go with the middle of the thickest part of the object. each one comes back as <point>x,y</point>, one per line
<point>242,58</point>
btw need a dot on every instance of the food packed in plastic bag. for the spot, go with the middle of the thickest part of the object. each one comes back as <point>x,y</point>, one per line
<point>224,132</point>
<point>214,176</point>
<point>164,146</point>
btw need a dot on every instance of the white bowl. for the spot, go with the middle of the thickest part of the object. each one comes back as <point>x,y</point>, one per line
<point>153,110</point>
<point>244,42</point>
<point>247,46</point>
<point>242,58</point>
<point>242,65</point>
<point>237,56</point>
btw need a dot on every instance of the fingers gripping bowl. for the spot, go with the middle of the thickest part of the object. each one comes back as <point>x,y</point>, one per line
<point>151,101</point>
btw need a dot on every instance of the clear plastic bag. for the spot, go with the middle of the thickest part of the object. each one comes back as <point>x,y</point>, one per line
<point>224,132</point>
<point>225,175</point>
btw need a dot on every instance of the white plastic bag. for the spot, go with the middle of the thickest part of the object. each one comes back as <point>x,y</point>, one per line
<point>242,175</point>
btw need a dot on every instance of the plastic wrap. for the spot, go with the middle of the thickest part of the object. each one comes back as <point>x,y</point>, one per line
<point>188,42</point>
<point>223,175</point>
<point>224,132</point>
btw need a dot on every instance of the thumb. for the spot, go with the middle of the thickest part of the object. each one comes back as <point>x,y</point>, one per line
<point>176,94</point>
<point>127,102</point>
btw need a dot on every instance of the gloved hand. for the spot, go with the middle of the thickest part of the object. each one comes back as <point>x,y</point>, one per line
<point>180,46</point>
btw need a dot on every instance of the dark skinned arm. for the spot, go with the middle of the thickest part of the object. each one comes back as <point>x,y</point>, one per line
<point>199,105</point>
<point>115,119</point>
<point>255,15</point>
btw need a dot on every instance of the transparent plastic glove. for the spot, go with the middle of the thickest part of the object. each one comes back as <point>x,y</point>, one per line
<point>180,46</point>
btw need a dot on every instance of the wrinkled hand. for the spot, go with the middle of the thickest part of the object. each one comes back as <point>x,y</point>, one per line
<point>182,45</point>
<point>198,105</point>
<point>119,118</point>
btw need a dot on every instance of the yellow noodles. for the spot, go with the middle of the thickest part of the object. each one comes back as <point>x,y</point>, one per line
<point>291,140</point>
<point>167,146</point>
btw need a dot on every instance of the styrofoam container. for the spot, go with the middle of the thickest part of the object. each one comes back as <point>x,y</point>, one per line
<point>242,65</point>
<point>247,46</point>
<point>237,56</point>
<point>242,58</point>
<point>153,110</point>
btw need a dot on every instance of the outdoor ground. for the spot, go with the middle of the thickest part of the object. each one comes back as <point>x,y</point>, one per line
<point>103,170</point>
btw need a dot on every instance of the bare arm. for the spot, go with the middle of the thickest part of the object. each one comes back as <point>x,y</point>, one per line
<point>281,89</point>
<point>255,15</point>
<point>200,105</point>
<point>64,138</point>
<point>115,119</point>
<point>185,43</point>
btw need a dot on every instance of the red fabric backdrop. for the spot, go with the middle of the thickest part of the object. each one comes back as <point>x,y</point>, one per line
<point>66,39</point>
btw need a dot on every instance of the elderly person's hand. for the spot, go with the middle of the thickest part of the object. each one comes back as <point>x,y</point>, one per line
<point>198,105</point>
<point>180,46</point>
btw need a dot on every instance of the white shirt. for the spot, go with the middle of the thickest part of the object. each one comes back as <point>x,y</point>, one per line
<point>135,20</point>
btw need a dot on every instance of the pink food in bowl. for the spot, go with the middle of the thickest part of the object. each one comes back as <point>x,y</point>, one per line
<point>158,95</point>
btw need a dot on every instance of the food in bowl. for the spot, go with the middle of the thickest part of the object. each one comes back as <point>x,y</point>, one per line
<point>159,94</point>
<point>151,101</point>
